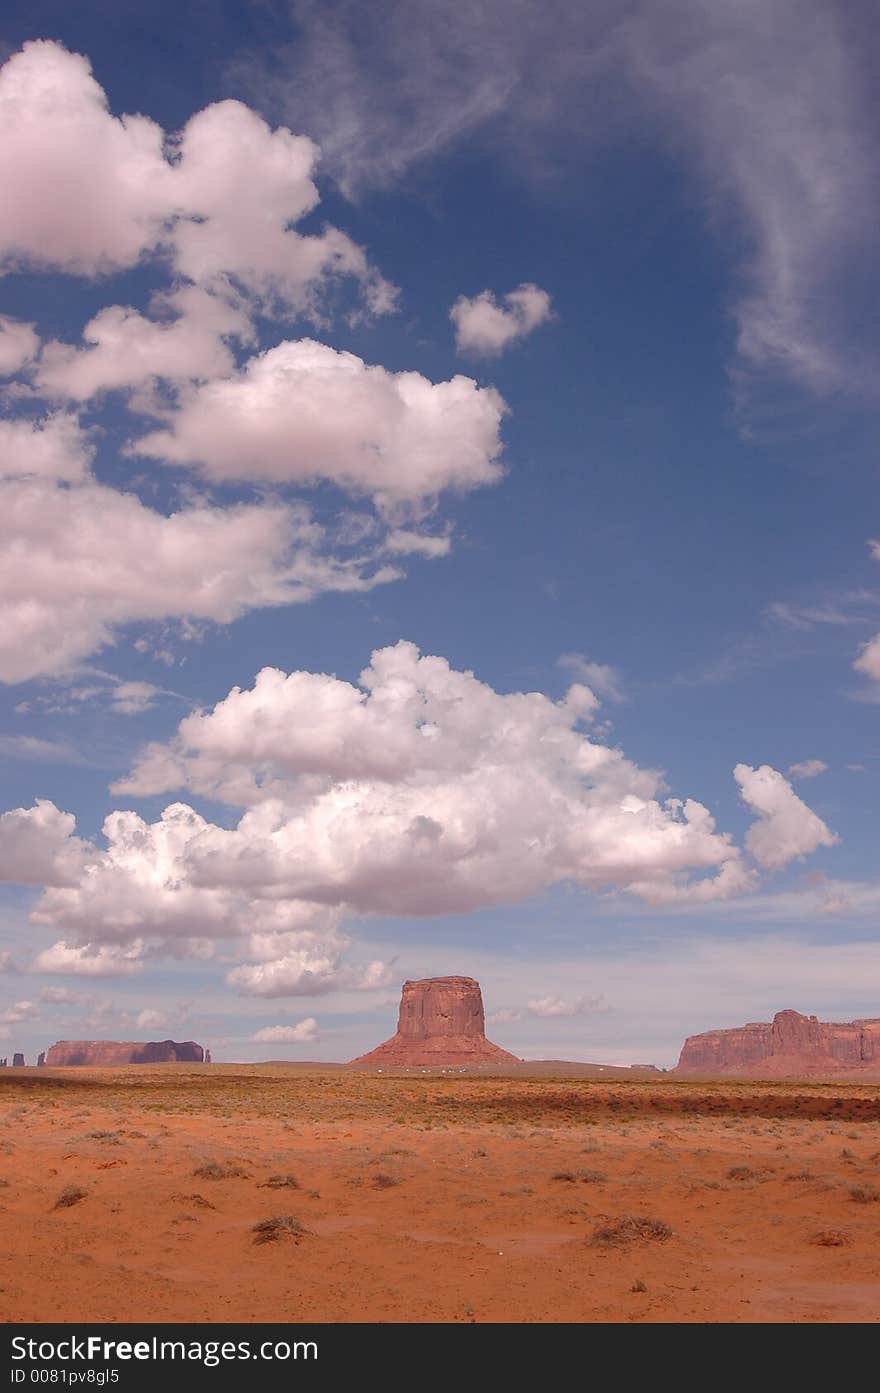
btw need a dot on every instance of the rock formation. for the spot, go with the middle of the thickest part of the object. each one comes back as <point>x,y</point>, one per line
<point>441,1022</point>
<point>18,1061</point>
<point>66,1052</point>
<point>41,1059</point>
<point>789,1044</point>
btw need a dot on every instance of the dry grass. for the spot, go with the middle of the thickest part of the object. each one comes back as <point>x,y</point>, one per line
<point>282,1226</point>
<point>630,1228</point>
<point>221,1170</point>
<point>71,1194</point>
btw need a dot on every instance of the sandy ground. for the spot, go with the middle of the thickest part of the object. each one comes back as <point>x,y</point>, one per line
<point>435,1198</point>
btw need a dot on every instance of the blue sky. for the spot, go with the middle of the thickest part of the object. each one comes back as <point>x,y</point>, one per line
<point>535,354</point>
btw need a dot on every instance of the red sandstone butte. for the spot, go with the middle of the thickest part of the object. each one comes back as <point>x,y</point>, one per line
<point>790,1044</point>
<point>441,1022</point>
<point>113,1052</point>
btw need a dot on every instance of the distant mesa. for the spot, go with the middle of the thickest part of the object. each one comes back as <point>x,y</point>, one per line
<point>112,1052</point>
<point>18,1061</point>
<point>790,1044</point>
<point>441,1022</point>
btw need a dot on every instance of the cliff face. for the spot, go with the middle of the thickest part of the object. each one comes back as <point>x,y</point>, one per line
<point>789,1044</point>
<point>441,1021</point>
<point>112,1052</point>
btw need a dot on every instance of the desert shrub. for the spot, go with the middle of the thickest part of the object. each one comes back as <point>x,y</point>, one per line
<point>630,1228</point>
<point>280,1182</point>
<point>830,1238</point>
<point>217,1170</point>
<point>71,1194</point>
<point>591,1177</point>
<point>740,1173</point>
<point>282,1226</point>
<point>564,1175</point>
<point>383,1181</point>
<point>863,1194</point>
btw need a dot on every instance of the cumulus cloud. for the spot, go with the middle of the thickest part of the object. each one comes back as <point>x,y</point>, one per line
<point>601,678</point>
<point>485,327</point>
<point>305,1032</point>
<point>422,790</point>
<point>90,960</point>
<point>53,448</point>
<point>19,1012</point>
<point>88,192</point>
<point>151,1020</point>
<point>419,791</point>
<point>18,345</point>
<point>303,412</point>
<point>807,768</point>
<point>124,349</point>
<point>38,846</point>
<point>98,559</point>
<point>785,829</point>
<point>868,660</point>
<point>62,996</point>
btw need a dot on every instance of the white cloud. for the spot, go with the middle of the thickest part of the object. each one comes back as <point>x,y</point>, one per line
<point>768,97</point>
<point>785,828</point>
<point>125,349</point>
<point>53,448</point>
<point>551,1005</point>
<point>88,193</point>
<point>8,964</point>
<point>601,678</point>
<point>807,768</point>
<point>33,747</point>
<point>89,960</point>
<point>38,846</point>
<point>306,1032</point>
<point>98,559</point>
<point>62,996</point>
<point>422,791</point>
<point>868,660</point>
<point>485,327</point>
<point>151,1020</point>
<point>302,412</point>
<point>19,1012</point>
<point>402,541</point>
<point>133,698</point>
<point>19,343</point>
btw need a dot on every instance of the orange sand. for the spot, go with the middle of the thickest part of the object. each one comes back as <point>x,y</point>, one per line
<point>476,1220</point>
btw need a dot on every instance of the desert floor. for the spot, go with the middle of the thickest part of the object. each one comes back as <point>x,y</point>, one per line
<point>434,1197</point>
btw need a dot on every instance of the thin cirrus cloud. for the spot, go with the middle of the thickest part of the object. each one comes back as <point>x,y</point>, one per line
<point>486,327</point>
<point>766,103</point>
<point>420,791</point>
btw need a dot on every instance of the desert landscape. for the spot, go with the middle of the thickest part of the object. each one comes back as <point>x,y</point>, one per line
<point>136,1194</point>
<point>448,1182</point>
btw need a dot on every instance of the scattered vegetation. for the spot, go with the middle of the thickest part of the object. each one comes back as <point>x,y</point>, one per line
<point>198,1200</point>
<point>383,1181</point>
<point>741,1173</point>
<point>280,1182</point>
<point>71,1194</point>
<point>221,1170</point>
<point>831,1238</point>
<point>630,1228</point>
<point>282,1226</point>
<point>863,1194</point>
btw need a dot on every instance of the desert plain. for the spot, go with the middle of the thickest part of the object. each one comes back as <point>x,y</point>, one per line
<point>136,1194</point>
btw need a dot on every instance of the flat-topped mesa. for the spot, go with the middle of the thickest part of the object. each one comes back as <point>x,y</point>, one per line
<point>441,1022</point>
<point>789,1044</point>
<point>113,1052</point>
